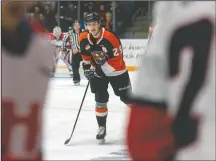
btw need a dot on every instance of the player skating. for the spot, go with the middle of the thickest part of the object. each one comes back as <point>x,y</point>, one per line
<point>103,63</point>
<point>177,80</point>
<point>26,66</point>
<point>57,39</point>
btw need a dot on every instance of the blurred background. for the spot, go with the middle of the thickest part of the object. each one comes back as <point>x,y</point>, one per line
<point>128,19</point>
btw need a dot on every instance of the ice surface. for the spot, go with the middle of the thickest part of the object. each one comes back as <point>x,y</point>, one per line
<point>62,105</point>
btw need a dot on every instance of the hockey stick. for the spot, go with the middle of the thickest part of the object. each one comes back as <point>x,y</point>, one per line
<point>68,140</point>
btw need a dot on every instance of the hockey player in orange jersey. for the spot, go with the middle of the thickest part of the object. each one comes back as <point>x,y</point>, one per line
<point>103,63</point>
<point>26,66</point>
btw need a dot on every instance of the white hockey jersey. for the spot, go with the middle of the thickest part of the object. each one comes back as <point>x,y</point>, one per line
<point>178,69</point>
<point>24,86</point>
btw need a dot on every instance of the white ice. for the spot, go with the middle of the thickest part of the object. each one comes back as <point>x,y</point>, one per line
<point>62,105</point>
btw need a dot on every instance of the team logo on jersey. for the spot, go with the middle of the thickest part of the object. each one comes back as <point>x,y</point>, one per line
<point>87,47</point>
<point>99,57</point>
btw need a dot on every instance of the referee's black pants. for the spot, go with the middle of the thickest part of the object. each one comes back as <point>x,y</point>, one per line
<point>76,59</point>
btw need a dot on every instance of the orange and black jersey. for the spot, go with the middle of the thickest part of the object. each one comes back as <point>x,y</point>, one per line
<point>110,44</point>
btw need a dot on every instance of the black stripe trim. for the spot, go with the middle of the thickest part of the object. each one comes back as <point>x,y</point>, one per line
<point>159,105</point>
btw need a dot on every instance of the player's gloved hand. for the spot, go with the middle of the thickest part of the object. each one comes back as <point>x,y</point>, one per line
<point>89,73</point>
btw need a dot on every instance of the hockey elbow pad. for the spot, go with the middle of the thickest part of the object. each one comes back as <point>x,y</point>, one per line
<point>149,134</point>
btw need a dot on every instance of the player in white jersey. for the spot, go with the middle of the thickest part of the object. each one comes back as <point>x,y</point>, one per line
<point>175,91</point>
<point>26,65</point>
<point>56,37</point>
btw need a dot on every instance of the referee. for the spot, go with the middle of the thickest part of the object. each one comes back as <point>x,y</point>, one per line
<point>76,57</point>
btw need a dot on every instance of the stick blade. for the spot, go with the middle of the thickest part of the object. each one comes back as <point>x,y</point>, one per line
<point>67,141</point>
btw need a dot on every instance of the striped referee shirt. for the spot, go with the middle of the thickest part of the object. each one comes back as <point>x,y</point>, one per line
<point>73,39</point>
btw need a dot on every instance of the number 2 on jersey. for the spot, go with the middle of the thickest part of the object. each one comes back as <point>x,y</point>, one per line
<point>116,51</point>
<point>197,36</point>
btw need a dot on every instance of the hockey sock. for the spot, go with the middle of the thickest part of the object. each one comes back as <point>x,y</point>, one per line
<point>101,113</point>
<point>101,120</point>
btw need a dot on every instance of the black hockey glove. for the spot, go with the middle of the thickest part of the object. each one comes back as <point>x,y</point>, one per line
<point>89,73</point>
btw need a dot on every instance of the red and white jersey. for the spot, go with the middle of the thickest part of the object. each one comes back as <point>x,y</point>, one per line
<point>179,68</point>
<point>56,41</point>
<point>24,87</point>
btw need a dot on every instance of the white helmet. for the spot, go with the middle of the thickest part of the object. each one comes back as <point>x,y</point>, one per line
<point>57,31</point>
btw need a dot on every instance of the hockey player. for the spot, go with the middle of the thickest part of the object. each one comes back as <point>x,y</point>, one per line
<point>56,40</point>
<point>56,37</point>
<point>26,66</point>
<point>175,90</point>
<point>103,63</point>
<point>74,56</point>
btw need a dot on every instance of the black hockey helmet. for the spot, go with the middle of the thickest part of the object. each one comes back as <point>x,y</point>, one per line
<point>91,17</point>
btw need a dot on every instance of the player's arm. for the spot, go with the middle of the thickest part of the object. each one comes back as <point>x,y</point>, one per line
<point>54,42</point>
<point>58,43</point>
<point>86,57</point>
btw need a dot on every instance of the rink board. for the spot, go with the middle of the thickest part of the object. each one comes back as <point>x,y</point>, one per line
<point>133,51</point>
